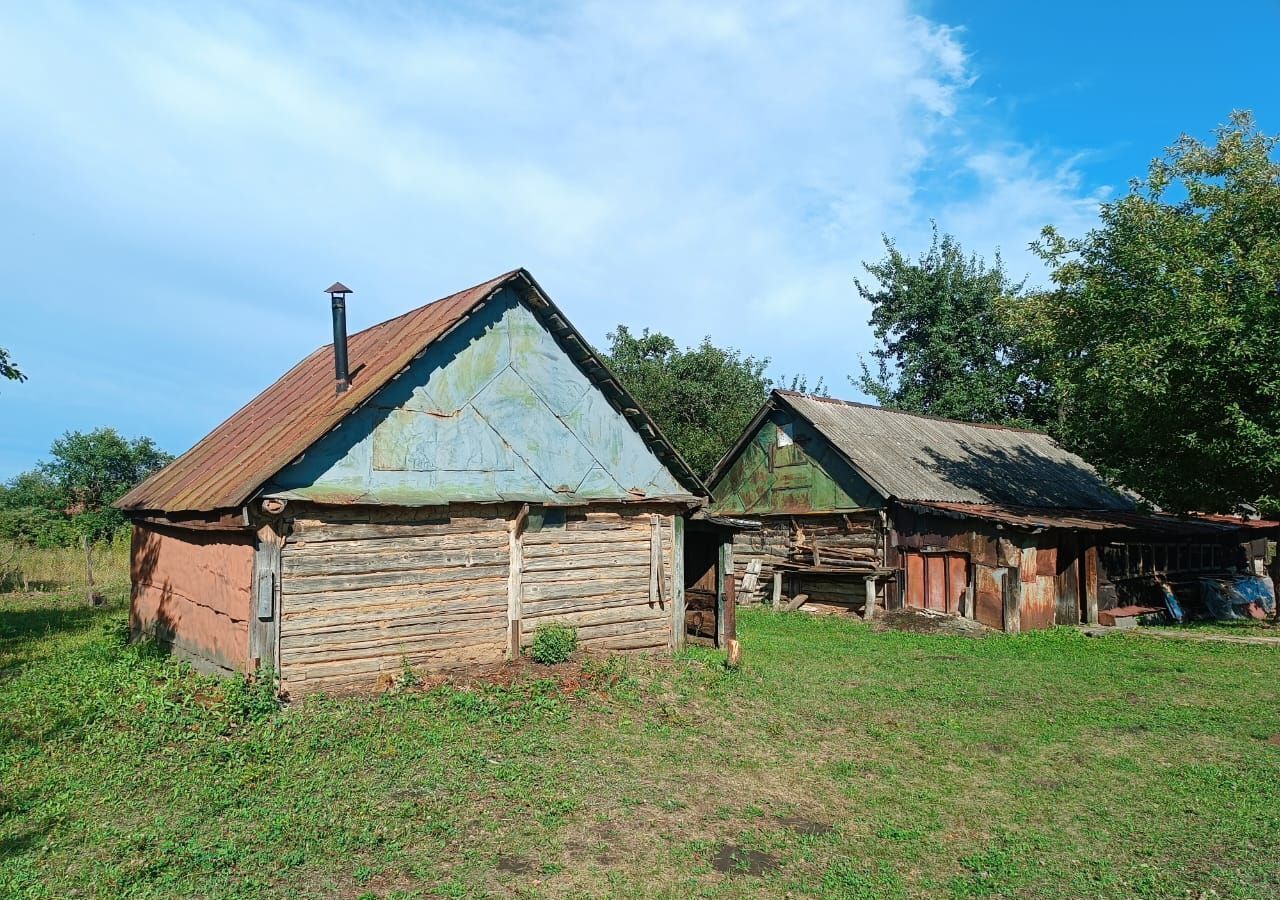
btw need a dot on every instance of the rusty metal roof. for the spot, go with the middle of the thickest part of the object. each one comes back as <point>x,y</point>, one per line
<point>1112,520</point>
<point>233,461</point>
<point>916,457</point>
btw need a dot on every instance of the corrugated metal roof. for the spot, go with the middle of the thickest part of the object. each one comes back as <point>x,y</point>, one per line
<point>225,468</point>
<point>1110,520</point>
<point>915,457</point>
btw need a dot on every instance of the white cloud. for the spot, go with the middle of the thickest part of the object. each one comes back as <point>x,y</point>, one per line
<point>719,168</point>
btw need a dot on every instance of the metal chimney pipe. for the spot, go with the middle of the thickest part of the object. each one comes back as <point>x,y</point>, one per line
<point>338,297</point>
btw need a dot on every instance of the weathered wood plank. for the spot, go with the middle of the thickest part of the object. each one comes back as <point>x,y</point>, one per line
<point>395,594</point>
<point>439,633</point>
<point>563,590</point>
<point>598,616</point>
<point>310,584</point>
<point>488,540</point>
<point>363,562</point>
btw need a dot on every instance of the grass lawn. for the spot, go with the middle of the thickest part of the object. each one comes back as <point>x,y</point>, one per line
<point>838,762</point>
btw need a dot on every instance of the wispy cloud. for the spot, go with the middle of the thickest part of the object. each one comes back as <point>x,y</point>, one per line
<point>186,180</point>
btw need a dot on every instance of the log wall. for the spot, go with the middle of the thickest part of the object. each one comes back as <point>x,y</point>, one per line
<point>456,588</point>
<point>595,572</point>
<point>359,600</point>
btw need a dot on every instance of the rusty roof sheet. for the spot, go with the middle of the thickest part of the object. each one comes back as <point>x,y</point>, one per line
<point>229,465</point>
<point>917,457</point>
<point>1115,520</point>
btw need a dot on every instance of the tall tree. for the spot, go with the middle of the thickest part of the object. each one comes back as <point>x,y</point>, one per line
<point>8,368</point>
<point>944,349</point>
<point>93,470</point>
<point>1162,334</point>
<point>701,397</point>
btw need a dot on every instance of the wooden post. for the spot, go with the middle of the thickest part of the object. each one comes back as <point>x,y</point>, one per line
<point>264,623</point>
<point>1090,586</point>
<point>777,589</point>
<point>515,579</point>
<point>677,587</point>
<point>869,608</point>
<point>91,595</point>
<point>726,613</point>
<point>656,592</point>
<point>1011,588</point>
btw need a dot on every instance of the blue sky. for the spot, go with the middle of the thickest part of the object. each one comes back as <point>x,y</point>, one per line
<point>181,182</point>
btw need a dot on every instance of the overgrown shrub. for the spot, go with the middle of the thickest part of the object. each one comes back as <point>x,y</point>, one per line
<point>553,644</point>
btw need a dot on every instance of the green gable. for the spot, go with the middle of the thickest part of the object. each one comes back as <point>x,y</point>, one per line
<point>788,468</point>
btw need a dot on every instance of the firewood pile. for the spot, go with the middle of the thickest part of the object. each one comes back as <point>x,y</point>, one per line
<point>833,556</point>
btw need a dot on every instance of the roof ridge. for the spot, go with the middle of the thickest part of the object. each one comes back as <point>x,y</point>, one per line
<point>903,412</point>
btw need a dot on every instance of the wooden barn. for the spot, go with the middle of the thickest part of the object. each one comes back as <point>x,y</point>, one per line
<point>426,494</point>
<point>860,507</point>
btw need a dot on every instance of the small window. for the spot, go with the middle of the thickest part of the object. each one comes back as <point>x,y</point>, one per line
<point>786,435</point>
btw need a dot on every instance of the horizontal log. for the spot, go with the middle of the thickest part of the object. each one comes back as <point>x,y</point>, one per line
<point>553,550</point>
<point>535,591</point>
<point>531,619</point>
<point>598,601</point>
<point>364,562</point>
<point>359,598</point>
<point>309,584</point>
<point>596,562</point>
<point>451,632</point>
<point>425,543</point>
<point>320,620</point>
<point>320,532</point>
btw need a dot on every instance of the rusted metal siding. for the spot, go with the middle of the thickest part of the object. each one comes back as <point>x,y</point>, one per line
<point>225,468</point>
<point>797,474</point>
<point>496,411</point>
<point>192,590</point>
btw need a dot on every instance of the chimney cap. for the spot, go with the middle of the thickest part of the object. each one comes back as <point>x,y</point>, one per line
<point>338,288</point>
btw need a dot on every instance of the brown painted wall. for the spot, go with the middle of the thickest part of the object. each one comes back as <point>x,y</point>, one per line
<point>192,590</point>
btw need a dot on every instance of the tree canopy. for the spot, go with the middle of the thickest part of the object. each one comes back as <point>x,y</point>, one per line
<point>70,495</point>
<point>8,368</point>
<point>701,397</point>
<point>944,348</point>
<point>1161,335</point>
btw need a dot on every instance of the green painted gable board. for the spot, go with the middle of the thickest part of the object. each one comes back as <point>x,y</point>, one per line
<point>805,476</point>
<point>495,411</point>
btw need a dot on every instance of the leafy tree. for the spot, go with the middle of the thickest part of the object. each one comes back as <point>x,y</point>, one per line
<point>701,397</point>
<point>1162,334</point>
<point>8,368</point>
<point>33,511</point>
<point>944,348</point>
<point>94,470</point>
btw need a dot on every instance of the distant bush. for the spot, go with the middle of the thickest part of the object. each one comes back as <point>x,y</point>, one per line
<point>553,644</point>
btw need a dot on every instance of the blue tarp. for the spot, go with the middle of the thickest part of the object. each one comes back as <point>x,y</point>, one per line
<point>1238,597</point>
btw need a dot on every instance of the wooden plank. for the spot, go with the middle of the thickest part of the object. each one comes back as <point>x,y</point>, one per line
<point>264,620</point>
<point>1090,586</point>
<point>376,598</point>
<point>605,615</point>
<point>588,561</point>
<point>655,561</point>
<point>515,535</point>
<point>636,586</point>
<point>318,583</point>
<point>360,562</point>
<point>677,583</point>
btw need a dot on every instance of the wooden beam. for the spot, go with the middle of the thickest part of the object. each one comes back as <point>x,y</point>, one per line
<point>677,586</point>
<point>264,618</point>
<point>515,579</point>
<point>869,608</point>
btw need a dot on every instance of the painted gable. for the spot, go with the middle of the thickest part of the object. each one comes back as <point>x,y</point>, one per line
<point>494,411</point>
<point>798,472</point>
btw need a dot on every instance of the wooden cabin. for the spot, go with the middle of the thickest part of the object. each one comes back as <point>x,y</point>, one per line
<point>862,507</point>
<point>424,494</point>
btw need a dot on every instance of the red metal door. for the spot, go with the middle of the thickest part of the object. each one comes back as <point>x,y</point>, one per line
<point>937,581</point>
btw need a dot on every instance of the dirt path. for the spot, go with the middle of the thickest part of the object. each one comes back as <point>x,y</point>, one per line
<point>1189,635</point>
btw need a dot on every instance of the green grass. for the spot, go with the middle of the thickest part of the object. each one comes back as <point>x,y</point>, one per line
<point>837,763</point>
